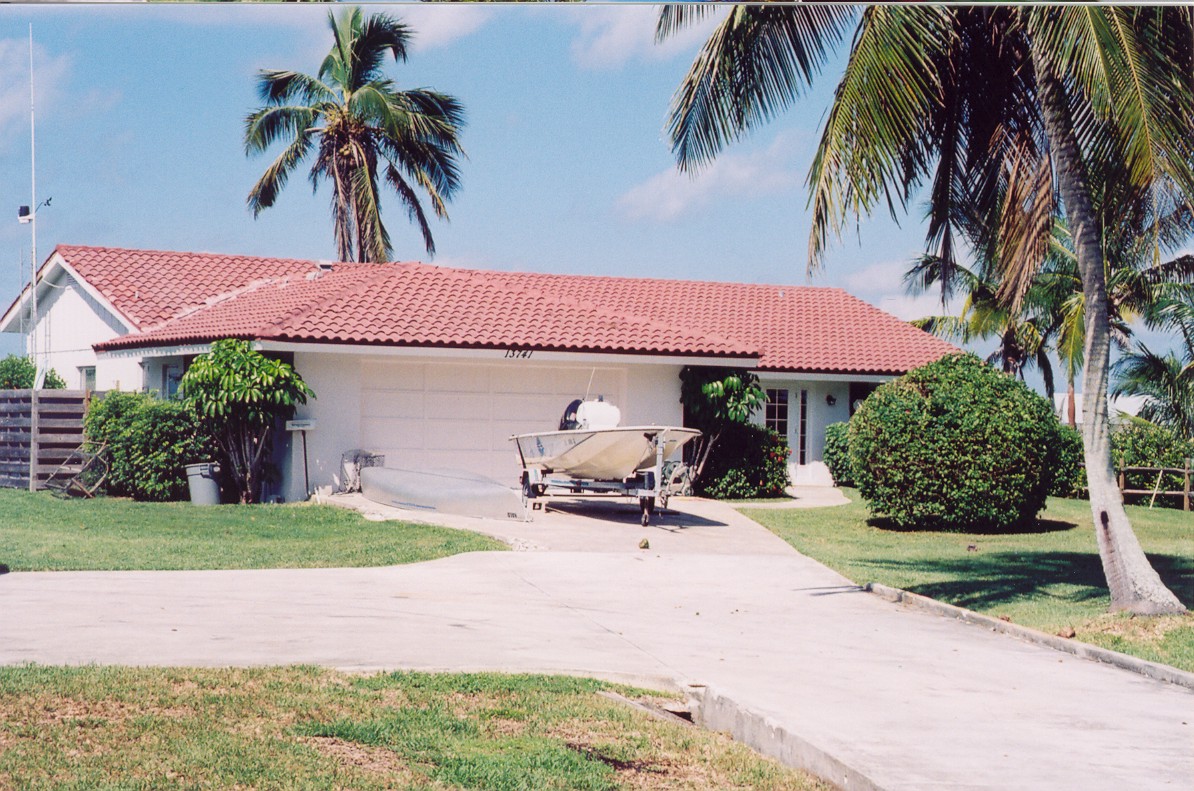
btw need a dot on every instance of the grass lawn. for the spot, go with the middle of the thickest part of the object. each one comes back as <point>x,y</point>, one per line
<point>1049,578</point>
<point>41,532</point>
<point>307,728</point>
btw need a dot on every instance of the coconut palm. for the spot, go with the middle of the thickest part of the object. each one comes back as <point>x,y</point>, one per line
<point>1004,114</point>
<point>1165,379</point>
<point>1023,336</point>
<point>362,130</point>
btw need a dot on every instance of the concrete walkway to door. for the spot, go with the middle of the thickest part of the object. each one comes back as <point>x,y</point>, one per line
<point>868,693</point>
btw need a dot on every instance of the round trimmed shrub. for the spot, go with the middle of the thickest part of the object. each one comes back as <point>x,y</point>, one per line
<point>837,454</point>
<point>955,445</point>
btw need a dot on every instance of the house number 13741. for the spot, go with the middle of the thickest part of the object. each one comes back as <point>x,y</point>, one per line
<point>520,354</point>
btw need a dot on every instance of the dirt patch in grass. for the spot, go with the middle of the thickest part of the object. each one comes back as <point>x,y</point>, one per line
<point>1143,630</point>
<point>366,758</point>
<point>48,711</point>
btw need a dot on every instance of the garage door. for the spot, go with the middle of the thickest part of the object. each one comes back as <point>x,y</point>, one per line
<point>461,415</point>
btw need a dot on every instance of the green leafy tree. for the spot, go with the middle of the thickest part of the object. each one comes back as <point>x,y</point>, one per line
<point>1003,116</point>
<point>18,373</point>
<point>362,131</point>
<point>240,396</point>
<point>715,399</point>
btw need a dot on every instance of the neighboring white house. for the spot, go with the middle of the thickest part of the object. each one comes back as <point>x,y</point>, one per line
<point>437,367</point>
<point>1118,407</point>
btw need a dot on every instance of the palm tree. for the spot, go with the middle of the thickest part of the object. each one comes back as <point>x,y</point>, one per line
<point>1023,337</point>
<point>1004,114</point>
<point>362,130</point>
<point>1166,380</point>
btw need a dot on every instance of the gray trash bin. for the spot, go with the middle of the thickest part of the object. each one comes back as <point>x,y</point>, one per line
<point>201,480</point>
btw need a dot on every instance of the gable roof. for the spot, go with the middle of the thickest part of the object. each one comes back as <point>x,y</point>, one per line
<point>178,298</point>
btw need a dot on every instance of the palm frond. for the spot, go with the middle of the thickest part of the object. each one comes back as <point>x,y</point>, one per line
<point>265,191</point>
<point>414,209</point>
<point>756,62</point>
<point>874,147</point>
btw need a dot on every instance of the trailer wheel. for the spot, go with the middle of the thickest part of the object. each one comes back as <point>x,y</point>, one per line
<point>647,504</point>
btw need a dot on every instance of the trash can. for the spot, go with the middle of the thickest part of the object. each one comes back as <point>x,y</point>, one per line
<point>201,480</point>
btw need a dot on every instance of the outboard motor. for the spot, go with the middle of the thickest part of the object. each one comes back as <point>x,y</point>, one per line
<point>569,421</point>
<point>598,414</point>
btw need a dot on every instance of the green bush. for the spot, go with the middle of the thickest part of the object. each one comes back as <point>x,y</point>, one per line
<point>1138,443</point>
<point>1069,479</point>
<point>750,461</point>
<point>150,442</point>
<point>17,373</point>
<point>955,445</point>
<point>837,454</point>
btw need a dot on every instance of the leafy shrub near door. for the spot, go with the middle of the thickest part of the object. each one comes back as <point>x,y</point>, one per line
<point>1070,479</point>
<point>837,454</point>
<point>750,462</point>
<point>955,445</point>
<point>150,442</point>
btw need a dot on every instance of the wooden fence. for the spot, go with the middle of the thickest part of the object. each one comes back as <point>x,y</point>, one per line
<point>47,434</point>
<point>1156,491</point>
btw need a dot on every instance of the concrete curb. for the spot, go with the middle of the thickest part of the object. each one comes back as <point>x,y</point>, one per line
<point>1076,648</point>
<point>717,712</point>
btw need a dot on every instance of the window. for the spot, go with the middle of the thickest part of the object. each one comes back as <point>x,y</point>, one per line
<point>87,377</point>
<point>803,457</point>
<point>776,414</point>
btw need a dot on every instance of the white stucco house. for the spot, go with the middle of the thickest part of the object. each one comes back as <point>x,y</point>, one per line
<point>437,367</point>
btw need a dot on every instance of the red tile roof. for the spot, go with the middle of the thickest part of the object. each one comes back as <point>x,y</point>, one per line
<point>177,298</point>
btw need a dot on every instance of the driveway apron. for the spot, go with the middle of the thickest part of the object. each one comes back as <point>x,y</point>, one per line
<point>903,699</point>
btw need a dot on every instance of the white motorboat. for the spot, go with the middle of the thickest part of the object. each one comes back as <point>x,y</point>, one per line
<point>591,445</point>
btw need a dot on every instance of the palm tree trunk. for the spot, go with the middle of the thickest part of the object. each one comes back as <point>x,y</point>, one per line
<point>1070,409</point>
<point>1134,584</point>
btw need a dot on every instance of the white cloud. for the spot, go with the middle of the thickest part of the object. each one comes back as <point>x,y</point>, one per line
<point>435,24</point>
<point>610,36</point>
<point>670,193</point>
<point>51,74</point>
<point>882,284</point>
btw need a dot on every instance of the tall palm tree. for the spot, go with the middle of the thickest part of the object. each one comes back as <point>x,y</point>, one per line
<point>363,131</point>
<point>1004,113</point>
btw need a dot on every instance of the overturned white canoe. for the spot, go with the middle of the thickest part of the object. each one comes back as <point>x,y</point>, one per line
<point>606,454</point>
<point>442,491</point>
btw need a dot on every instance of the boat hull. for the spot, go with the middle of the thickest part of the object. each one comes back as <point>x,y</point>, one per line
<point>442,491</point>
<point>611,454</point>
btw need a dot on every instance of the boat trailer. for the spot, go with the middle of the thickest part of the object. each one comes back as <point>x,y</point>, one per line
<point>651,485</point>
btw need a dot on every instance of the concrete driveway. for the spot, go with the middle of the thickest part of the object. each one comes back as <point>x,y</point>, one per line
<point>786,651</point>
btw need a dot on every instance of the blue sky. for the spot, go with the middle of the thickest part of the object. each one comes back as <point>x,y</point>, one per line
<point>140,114</point>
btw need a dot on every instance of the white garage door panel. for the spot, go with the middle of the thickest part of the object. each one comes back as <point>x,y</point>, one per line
<point>461,415</point>
<point>391,404</point>
<point>394,433</point>
<point>392,376</point>
<point>457,406</point>
<point>458,378</point>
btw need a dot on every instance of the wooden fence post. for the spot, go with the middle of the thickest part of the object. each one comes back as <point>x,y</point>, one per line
<point>1186,492</point>
<point>1123,481</point>
<point>33,444</point>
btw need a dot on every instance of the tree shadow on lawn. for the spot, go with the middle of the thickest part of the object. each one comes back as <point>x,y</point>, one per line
<point>987,580</point>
